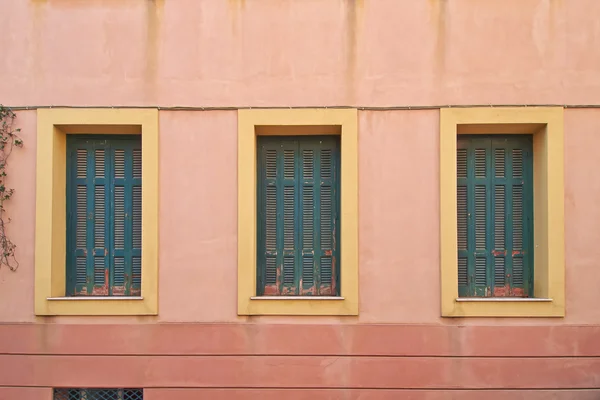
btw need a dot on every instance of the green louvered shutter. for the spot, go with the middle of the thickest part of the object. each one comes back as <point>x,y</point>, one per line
<point>297,208</point>
<point>127,211</point>
<point>104,211</point>
<point>494,216</point>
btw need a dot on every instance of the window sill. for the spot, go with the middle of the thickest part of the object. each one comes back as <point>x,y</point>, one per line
<point>507,307</point>
<point>101,298</point>
<point>297,305</point>
<point>97,305</point>
<point>502,299</point>
<point>319,298</point>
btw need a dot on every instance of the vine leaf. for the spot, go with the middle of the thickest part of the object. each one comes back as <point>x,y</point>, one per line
<point>9,139</point>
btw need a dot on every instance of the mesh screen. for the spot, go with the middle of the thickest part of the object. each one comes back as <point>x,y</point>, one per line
<point>98,394</point>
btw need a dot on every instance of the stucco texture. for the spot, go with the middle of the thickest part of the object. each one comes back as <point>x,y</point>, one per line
<point>299,53</point>
<point>398,222</point>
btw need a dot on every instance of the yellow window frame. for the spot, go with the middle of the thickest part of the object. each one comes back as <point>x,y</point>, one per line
<point>547,127</point>
<point>253,123</point>
<point>53,126</point>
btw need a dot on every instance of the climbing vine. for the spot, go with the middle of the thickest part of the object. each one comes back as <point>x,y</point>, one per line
<point>9,139</point>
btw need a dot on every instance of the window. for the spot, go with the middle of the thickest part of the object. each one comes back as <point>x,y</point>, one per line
<point>96,225</point>
<point>298,216</point>
<point>98,394</point>
<point>494,215</point>
<point>104,211</point>
<point>502,227</point>
<point>283,269</point>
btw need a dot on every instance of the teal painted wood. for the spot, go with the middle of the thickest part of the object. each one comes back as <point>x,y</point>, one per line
<point>495,215</point>
<point>298,218</point>
<point>104,215</point>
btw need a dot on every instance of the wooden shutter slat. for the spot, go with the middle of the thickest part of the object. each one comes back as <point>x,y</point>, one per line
<point>517,163</point>
<point>271,164</point>
<point>271,216</point>
<point>135,281</point>
<point>81,223</point>
<point>90,223</point>
<point>137,163</point>
<point>288,270</point>
<point>119,217</point>
<point>136,271</point>
<point>480,271</point>
<point>117,279</point>
<point>99,271</point>
<point>326,164</point>
<point>119,163</point>
<point>326,217</point>
<point>499,163</point>
<point>289,164</point>
<point>517,205</point>
<point>463,200</point>
<point>517,270</point>
<point>462,272</point>
<point>499,271</point>
<point>326,274</point>
<point>499,217</point>
<point>480,216</point>
<point>480,164</point>
<point>461,163</point>
<point>99,216</point>
<point>81,271</point>
<point>81,163</point>
<point>287,202</point>
<point>308,221</point>
<point>270,259</point>
<point>308,215</point>
<point>289,225</point>
<point>307,184</point>
<point>119,271</point>
<point>462,217</point>
<point>137,217</point>
<point>271,271</point>
<point>308,271</point>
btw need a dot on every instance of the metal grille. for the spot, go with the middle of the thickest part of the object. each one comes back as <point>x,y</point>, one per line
<point>98,394</point>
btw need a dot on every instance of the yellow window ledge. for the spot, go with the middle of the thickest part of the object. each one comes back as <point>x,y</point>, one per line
<point>546,126</point>
<point>53,125</point>
<point>252,123</point>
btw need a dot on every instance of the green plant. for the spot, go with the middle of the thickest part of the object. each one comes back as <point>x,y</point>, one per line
<point>9,139</point>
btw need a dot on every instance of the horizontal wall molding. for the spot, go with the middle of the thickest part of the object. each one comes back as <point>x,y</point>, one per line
<point>362,108</point>
<point>350,340</point>
<point>300,372</point>
<point>369,394</point>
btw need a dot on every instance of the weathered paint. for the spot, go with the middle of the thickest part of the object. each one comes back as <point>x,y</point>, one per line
<point>311,53</point>
<point>53,126</point>
<point>546,126</point>
<point>251,124</point>
<point>293,174</point>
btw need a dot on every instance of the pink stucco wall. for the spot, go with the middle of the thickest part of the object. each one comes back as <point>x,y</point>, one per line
<point>280,53</point>
<point>398,221</point>
<point>298,53</point>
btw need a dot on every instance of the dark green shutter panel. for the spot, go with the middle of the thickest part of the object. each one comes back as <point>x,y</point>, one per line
<point>494,216</point>
<point>104,209</point>
<point>127,200</point>
<point>297,210</point>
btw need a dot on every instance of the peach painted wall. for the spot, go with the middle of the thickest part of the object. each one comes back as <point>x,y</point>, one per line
<point>298,53</point>
<point>280,53</point>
